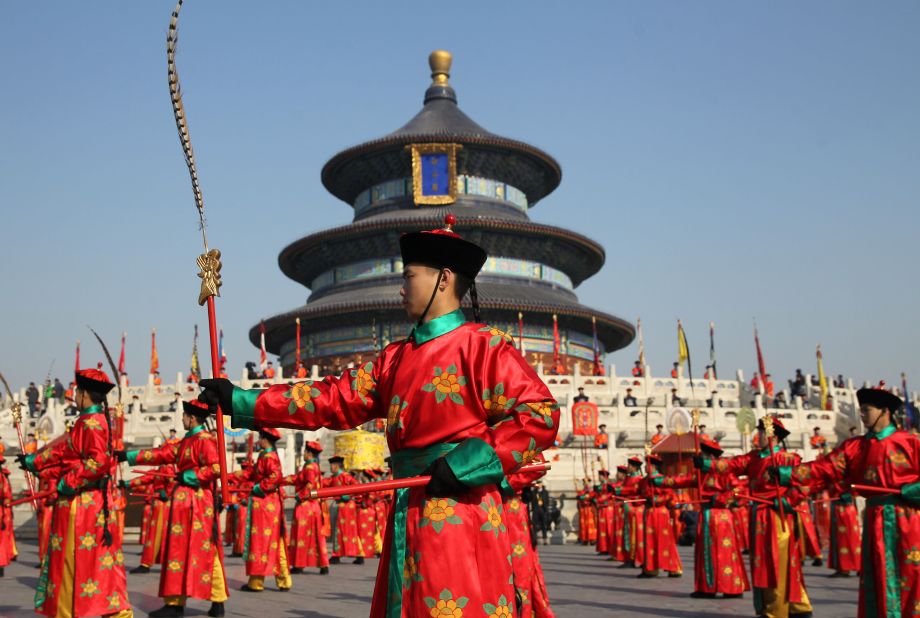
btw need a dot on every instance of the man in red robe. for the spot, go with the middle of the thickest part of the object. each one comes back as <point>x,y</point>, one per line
<point>660,546</point>
<point>264,548</point>
<point>83,573</point>
<point>7,540</point>
<point>633,515</point>
<point>717,564</point>
<point>192,562</point>
<point>889,460</point>
<point>776,565</point>
<point>307,547</point>
<point>346,542</point>
<point>461,404</point>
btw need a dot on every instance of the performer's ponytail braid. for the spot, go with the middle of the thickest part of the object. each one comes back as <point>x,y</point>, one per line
<point>474,299</point>
<point>107,534</point>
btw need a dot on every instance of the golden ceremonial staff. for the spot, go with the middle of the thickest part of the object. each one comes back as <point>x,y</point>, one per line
<point>209,261</point>
<point>16,413</point>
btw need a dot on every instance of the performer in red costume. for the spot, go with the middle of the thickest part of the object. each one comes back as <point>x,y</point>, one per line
<point>83,573</point>
<point>159,485</point>
<point>346,541</point>
<point>308,545</point>
<point>633,516</point>
<point>617,519</point>
<point>367,518</point>
<point>7,537</point>
<point>192,563</point>
<point>264,548</point>
<point>461,404</point>
<point>587,515</point>
<point>603,501</point>
<point>888,459</point>
<point>660,546</point>
<point>776,566</point>
<point>717,563</point>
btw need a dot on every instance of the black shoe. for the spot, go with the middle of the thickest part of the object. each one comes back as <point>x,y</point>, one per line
<point>217,610</point>
<point>324,570</point>
<point>284,589</point>
<point>696,594</point>
<point>2,572</point>
<point>168,611</point>
<point>817,562</point>
<point>840,574</point>
<point>236,555</point>
<point>732,596</point>
<point>140,569</point>
<point>335,560</point>
<point>296,571</point>
<point>646,575</point>
<point>627,565</point>
<point>246,588</point>
<point>675,574</point>
<point>359,560</point>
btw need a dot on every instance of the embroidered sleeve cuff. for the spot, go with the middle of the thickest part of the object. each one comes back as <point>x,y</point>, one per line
<point>475,463</point>
<point>30,463</point>
<point>244,408</point>
<point>257,491</point>
<point>658,481</point>
<point>911,493</point>
<point>64,489</point>
<point>132,457</point>
<point>784,474</point>
<point>189,478</point>
<point>707,465</point>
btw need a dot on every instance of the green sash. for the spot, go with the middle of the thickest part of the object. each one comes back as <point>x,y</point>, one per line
<point>890,540</point>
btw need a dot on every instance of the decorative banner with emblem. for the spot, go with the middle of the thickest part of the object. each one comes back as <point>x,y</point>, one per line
<point>434,173</point>
<point>584,419</point>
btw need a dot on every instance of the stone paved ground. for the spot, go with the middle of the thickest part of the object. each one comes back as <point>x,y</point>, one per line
<point>581,584</point>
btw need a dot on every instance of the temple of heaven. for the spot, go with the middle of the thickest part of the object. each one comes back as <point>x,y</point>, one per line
<point>441,162</point>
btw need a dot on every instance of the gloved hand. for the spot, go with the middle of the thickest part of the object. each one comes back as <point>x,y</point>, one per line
<point>21,460</point>
<point>188,478</point>
<point>123,484</point>
<point>120,455</point>
<point>698,461</point>
<point>443,481</point>
<point>217,391</point>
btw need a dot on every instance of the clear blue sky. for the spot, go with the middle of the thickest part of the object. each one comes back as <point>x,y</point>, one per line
<point>735,159</point>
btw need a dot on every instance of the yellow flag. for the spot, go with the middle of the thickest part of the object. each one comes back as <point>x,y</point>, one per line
<point>683,351</point>
<point>822,379</point>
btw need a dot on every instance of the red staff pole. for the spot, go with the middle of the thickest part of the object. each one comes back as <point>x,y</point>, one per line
<point>872,489</point>
<point>215,370</point>
<point>413,481</point>
<point>696,441</point>
<point>33,497</point>
<point>768,430</point>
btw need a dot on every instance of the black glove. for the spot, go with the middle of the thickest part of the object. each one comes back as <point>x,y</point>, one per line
<point>123,484</point>
<point>21,460</point>
<point>698,462</point>
<point>217,392</point>
<point>120,455</point>
<point>443,480</point>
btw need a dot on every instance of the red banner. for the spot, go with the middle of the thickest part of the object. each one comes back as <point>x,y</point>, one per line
<point>584,419</point>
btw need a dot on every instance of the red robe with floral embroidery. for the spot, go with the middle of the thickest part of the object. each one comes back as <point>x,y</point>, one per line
<point>633,519</point>
<point>265,532</point>
<point>890,578</point>
<point>717,564</point>
<point>192,547</point>
<point>308,545</point>
<point>159,486</point>
<point>660,546</point>
<point>457,390</point>
<point>81,462</point>
<point>603,501</point>
<point>765,561</point>
<point>345,541</point>
<point>367,524</point>
<point>525,562</point>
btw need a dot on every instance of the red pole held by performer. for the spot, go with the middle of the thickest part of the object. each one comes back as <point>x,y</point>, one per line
<point>768,432</point>
<point>695,414</point>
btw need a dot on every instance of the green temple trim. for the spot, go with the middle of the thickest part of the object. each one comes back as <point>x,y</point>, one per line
<point>243,415</point>
<point>433,329</point>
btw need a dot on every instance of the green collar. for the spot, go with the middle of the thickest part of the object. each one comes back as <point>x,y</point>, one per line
<point>96,409</point>
<point>309,461</point>
<point>268,449</point>
<point>441,325</point>
<point>881,435</point>
<point>764,453</point>
<point>196,429</point>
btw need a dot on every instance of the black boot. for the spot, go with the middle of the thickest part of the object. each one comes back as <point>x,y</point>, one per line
<point>324,570</point>
<point>696,594</point>
<point>359,560</point>
<point>818,562</point>
<point>140,569</point>
<point>674,574</point>
<point>296,570</point>
<point>246,588</point>
<point>236,555</point>
<point>217,609</point>
<point>646,575</point>
<point>2,572</point>
<point>334,560</point>
<point>731,596</point>
<point>629,564</point>
<point>168,611</point>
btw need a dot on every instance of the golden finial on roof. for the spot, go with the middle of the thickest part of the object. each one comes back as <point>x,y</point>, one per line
<point>439,61</point>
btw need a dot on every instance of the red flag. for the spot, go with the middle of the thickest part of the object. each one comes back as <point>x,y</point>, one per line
<point>557,363</point>
<point>154,357</point>
<point>298,362</point>
<point>76,366</point>
<point>584,419</point>
<point>598,368</point>
<point>121,357</point>
<point>760,364</point>
<point>263,356</point>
